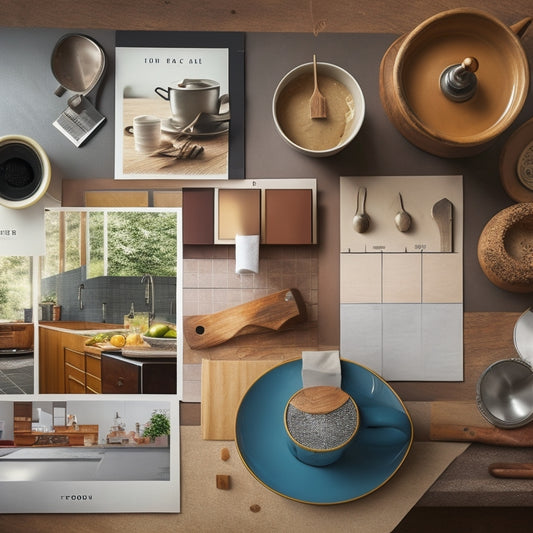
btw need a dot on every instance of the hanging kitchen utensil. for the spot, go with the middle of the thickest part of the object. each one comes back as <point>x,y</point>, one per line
<point>442,213</point>
<point>272,312</point>
<point>361,221</point>
<point>402,218</point>
<point>78,64</point>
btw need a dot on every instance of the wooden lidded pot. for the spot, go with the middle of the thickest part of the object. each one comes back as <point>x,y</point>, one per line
<point>410,81</point>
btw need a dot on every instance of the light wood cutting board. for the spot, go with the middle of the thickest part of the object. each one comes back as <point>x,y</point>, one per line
<point>457,413</point>
<point>223,386</point>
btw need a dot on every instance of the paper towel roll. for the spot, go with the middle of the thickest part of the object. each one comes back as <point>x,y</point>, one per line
<point>246,254</point>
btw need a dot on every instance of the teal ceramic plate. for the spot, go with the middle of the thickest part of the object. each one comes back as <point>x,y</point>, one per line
<point>373,457</point>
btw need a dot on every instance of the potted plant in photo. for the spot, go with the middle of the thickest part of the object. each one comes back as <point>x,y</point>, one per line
<point>158,428</point>
<point>47,305</point>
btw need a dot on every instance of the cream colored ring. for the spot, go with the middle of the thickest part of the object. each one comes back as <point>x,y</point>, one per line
<point>46,171</point>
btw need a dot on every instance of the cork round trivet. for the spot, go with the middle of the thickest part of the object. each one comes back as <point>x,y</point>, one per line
<point>505,248</point>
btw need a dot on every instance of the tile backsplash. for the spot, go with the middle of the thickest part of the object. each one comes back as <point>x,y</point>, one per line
<point>210,284</point>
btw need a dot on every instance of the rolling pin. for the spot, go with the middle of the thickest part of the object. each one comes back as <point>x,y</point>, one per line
<point>273,312</point>
<point>512,470</point>
<point>487,435</point>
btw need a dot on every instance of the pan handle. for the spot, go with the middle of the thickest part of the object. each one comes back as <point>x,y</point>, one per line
<point>160,91</point>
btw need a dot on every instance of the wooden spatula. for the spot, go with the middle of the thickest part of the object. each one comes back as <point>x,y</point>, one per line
<point>317,103</point>
<point>274,312</point>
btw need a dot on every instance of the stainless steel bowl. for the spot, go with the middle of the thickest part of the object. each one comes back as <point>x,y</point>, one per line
<point>523,336</point>
<point>505,393</point>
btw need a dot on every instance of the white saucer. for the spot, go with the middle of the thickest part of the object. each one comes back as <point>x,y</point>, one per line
<point>168,126</point>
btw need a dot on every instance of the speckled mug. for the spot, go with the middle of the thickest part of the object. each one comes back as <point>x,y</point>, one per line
<point>320,423</point>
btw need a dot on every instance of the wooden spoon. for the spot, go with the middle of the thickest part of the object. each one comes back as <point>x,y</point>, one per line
<point>317,103</point>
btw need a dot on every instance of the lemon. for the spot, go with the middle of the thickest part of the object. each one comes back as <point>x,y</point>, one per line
<point>133,339</point>
<point>170,334</point>
<point>118,340</point>
<point>158,330</point>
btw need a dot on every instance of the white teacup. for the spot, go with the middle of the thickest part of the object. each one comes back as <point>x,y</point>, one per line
<point>190,97</point>
<point>147,133</point>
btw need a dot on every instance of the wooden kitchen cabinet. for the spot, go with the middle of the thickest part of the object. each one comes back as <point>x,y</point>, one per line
<point>22,414</point>
<point>74,372</point>
<point>16,335</point>
<point>66,365</point>
<point>82,372</point>
<point>122,375</point>
<point>81,435</point>
<point>51,362</point>
<point>93,373</point>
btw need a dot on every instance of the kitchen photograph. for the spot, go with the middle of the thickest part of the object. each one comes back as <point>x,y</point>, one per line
<point>302,230</point>
<point>76,441</point>
<point>83,450</point>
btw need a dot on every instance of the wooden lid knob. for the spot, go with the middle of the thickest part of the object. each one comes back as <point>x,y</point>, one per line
<point>471,64</point>
<point>319,400</point>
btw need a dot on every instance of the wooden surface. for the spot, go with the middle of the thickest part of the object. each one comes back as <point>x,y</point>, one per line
<point>212,161</point>
<point>319,400</point>
<point>488,336</point>
<point>378,16</point>
<point>223,386</point>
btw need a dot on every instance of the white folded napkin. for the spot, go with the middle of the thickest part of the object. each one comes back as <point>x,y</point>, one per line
<point>246,254</point>
<point>321,368</point>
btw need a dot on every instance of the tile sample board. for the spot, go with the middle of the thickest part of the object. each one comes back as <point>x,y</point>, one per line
<point>401,293</point>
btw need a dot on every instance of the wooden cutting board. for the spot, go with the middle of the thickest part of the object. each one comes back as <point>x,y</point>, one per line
<point>223,386</point>
<point>457,413</point>
<point>272,312</point>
